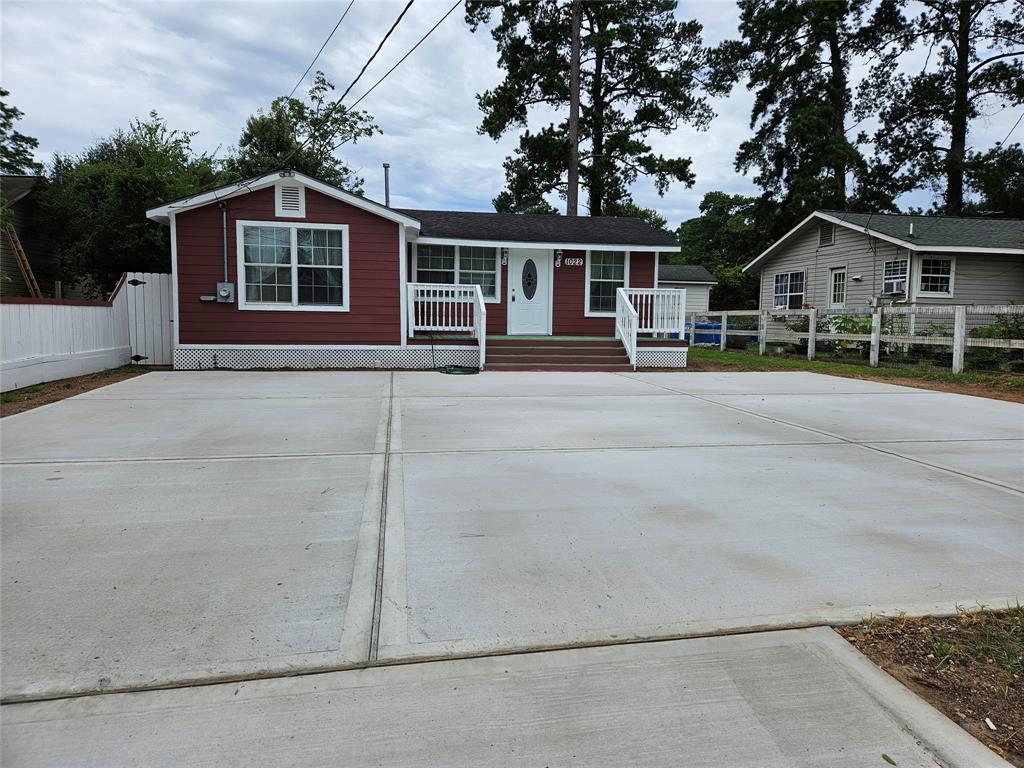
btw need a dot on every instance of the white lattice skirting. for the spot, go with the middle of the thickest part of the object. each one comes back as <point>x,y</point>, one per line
<point>243,358</point>
<point>661,358</point>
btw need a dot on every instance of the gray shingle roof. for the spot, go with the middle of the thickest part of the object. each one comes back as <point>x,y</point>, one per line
<point>685,273</point>
<point>13,188</point>
<point>941,231</point>
<point>540,228</point>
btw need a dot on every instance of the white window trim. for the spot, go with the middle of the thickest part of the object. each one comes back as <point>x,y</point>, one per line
<point>586,282</point>
<point>346,276</point>
<point>846,286</point>
<point>906,276</point>
<point>790,293</point>
<point>496,299</point>
<point>920,275</point>
<point>279,211</point>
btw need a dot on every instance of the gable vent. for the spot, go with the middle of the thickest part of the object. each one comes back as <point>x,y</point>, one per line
<point>290,200</point>
<point>826,233</point>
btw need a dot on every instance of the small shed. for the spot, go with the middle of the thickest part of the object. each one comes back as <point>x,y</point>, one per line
<point>697,281</point>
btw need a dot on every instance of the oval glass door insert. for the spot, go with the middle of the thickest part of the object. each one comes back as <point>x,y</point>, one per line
<point>529,279</point>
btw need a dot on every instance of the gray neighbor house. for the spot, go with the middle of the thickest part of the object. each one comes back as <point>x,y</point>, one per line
<point>838,260</point>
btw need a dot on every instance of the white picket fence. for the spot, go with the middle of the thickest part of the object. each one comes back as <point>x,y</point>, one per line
<point>47,339</point>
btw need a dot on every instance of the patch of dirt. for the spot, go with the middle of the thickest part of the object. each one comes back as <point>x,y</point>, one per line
<point>26,398</point>
<point>967,666</point>
<point>992,390</point>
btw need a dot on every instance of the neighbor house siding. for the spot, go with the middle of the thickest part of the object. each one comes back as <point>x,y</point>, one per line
<point>568,315</point>
<point>374,310</point>
<point>980,278</point>
<point>861,255</point>
<point>698,297</point>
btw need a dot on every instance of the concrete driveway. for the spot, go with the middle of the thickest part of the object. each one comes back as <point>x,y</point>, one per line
<point>216,526</point>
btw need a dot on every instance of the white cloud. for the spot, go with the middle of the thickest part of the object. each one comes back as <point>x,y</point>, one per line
<point>80,69</point>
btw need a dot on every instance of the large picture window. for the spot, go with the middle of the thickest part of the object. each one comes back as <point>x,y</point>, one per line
<point>606,273</point>
<point>789,290</point>
<point>458,265</point>
<point>299,267</point>
<point>936,277</point>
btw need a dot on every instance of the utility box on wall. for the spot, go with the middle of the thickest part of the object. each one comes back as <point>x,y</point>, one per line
<point>226,293</point>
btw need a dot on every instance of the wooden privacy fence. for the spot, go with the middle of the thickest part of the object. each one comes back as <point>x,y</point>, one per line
<point>950,330</point>
<point>48,339</point>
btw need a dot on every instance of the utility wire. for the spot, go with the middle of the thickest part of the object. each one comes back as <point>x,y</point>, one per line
<point>343,15</point>
<point>1012,129</point>
<point>330,113</point>
<point>408,54</point>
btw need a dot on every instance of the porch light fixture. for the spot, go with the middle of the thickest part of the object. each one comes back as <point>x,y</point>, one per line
<point>287,174</point>
<point>558,257</point>
<point>504,256</point>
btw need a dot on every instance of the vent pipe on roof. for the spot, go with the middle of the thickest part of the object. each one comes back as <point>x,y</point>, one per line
<point>387,185</point>
<point>911,229</point>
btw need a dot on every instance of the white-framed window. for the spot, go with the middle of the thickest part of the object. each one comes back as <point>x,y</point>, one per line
<point>290,200</point>
<point>301,267</point>
<point>789,291</point>
<point>459,265</point>
<point>826,233</point>
<point>607,271</point>
<point>894,276</point>
<point>837,287</point>
<point>936,278</point>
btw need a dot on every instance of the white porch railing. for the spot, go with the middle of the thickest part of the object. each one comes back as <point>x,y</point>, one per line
<point>659,310</point>
<point>433,307</point>
<point>627,322</point>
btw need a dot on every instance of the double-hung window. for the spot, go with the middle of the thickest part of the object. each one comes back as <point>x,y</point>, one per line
<point>894,276</point>
<point>298,267</point>
<point>606,273</point>
<point>789,291</point>
<point>458,265</point>
<point>837,287</point>
<point>936,277</point>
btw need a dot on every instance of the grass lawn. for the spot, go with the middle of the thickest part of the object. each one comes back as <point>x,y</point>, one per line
<point>999,386</point>
<point>969,666</point>
<point>26,398</point>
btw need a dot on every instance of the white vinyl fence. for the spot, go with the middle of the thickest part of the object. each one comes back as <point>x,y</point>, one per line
<point>47,339</point>
<point>956,337</point>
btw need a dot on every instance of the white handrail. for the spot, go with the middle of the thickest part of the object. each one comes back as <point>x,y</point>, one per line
<point>480,321</point>
<point>659,310</point>
<point>627,321</point>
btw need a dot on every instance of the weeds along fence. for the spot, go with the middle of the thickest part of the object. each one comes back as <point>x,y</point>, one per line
<point>956,338</point>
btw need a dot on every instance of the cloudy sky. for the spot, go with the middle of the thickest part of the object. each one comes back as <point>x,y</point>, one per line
<point>80,69</point>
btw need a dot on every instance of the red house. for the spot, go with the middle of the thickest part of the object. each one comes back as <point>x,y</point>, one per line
<point>285,271</point>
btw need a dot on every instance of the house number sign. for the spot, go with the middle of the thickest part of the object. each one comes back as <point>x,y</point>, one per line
<point>575,261</point>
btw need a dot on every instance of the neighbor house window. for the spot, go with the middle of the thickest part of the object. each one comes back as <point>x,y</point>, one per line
<point>826,233</point>
<point>789,290</point>
<point>606,273</point>
<point>894,276</point>
<point>937,276</point>
<point>458,265</point>
<point>292,267</point>
<point>837,287</point>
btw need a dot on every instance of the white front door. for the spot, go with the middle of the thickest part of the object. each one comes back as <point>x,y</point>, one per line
<point>529,291</point>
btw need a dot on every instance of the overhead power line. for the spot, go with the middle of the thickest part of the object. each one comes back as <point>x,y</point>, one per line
<point>343,15</point>
<point>330,113</point>
<point>1001,143</point>
<point>408,53</point>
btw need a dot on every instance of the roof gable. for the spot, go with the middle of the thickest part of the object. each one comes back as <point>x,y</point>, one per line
<point>163,212</point>
<point>935,234</point>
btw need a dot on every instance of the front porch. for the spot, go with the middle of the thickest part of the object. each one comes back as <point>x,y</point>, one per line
<point>649,328</point>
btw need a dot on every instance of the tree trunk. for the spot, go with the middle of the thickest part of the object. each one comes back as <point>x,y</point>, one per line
<point>839,97</point>
<point>960,114</point>
<point>597,141</point>
<point>573,181</point>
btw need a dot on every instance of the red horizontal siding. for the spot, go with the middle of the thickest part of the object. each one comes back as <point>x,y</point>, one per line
<point>373,275</point>
<point>568,316</point>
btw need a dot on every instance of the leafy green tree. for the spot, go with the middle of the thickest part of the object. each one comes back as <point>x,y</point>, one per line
<point>304,136</point>
<point>730,231</point>
<point>796,57</point>
<point>998,178</point>
<point>95,203</point>
<point>642,71</point>
<point>15,148</point>
<point>975,62</point>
